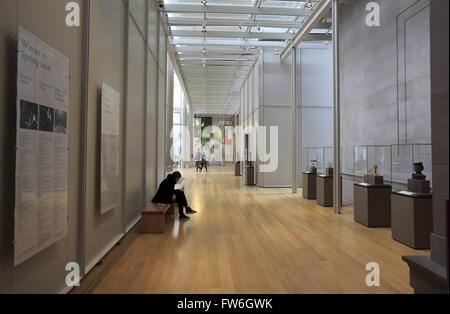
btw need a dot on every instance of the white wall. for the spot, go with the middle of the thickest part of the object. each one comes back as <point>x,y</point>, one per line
<point>317,96</point>
<point>385,79</point>
<point>269,85</point>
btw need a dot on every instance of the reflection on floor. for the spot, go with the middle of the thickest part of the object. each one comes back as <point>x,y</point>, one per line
<point>253,240</point>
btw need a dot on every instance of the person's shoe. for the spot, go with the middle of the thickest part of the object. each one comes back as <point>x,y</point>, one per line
<point>190,211</point>
<point>184,217</point>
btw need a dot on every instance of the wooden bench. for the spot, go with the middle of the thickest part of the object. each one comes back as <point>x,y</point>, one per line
<point>154,217</point>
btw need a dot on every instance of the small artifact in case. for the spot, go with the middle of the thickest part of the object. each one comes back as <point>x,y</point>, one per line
<point>418,183</point>
<point>374,179</point>
<point>329,171</point>
<point>313,168</point>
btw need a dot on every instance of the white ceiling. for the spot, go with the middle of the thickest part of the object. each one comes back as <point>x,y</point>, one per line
<point>217,44</point>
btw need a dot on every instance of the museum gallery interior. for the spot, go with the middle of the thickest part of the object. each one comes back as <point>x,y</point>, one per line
<point>311,137</point>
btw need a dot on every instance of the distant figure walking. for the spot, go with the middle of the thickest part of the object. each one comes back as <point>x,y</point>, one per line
<point>198,160</point>
<point>204,163</point>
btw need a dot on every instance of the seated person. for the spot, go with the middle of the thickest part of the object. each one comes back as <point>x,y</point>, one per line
<point>167,194</point>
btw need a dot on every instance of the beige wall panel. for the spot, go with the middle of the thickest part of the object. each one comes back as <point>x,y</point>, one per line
<point>153,20</point>
<point>44,272</point>
<point>138,9</point>
<point>8,69</point>
<point>135,162</point>
<point>107,62</point>
<point>152,130</point>
<point>162,49</point>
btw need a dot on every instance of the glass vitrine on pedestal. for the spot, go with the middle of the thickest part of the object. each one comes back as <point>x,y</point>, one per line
<point>324,182</point>
<point>372,164</point>
<point>311,157</point>
<point>326,163</point>
<point>372,193</point>
<point>250,171</point>
<point>407,157</point>
<point>412,201</point>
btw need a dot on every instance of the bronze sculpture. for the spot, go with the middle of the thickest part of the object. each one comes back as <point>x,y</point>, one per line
<point>418,168</point>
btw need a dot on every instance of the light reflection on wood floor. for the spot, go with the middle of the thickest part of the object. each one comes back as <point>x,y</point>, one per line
<point>254,240</point>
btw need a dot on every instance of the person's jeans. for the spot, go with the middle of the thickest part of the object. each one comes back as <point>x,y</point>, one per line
<point>181,201</point>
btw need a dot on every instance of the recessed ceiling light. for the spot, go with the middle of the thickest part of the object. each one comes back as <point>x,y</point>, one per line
<point>308,5</point>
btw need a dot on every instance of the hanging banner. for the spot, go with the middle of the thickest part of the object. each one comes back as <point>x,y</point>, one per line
<point>42,147</point>
<point>110,154</point>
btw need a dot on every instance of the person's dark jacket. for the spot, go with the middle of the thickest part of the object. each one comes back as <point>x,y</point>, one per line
<point>166,191</point>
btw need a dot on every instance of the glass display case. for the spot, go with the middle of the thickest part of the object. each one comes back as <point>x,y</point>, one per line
<point>372,163</point>
<point>319,158</point>
<point>311,156</point>
<point>327,162</point>
<point>404,157</point>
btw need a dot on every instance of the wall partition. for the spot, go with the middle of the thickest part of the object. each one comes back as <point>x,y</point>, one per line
<point>385,79</point>
<point>45,271</point>
<point>266,101</point>
<point>120,43</point>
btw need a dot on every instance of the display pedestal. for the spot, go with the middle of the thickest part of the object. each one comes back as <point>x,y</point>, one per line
<point>373,205</point>
<point>412,219</point>
<point>309,185</point>
<point>419,186</point>
<point>250,175</point>
<point>325,191</point>
<point>426,276</point>
<point>374,180</point>
<point>237,169</point>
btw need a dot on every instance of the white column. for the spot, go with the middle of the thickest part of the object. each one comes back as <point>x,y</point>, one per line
<point>294,119</point>
<point>337,107</point>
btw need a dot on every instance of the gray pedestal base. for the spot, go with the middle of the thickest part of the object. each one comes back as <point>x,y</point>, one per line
<point>309,185</point>
<point>237,169</point>
<point>412,219</point>
<point>373,205</point>
<point>250,176</point>
<point>426,276</point>
<point>325,191</point>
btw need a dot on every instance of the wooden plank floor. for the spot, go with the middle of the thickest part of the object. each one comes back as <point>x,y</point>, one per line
<point>253,240</point>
